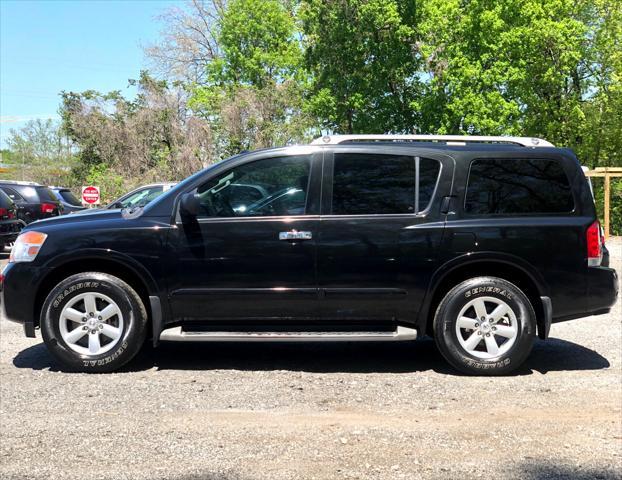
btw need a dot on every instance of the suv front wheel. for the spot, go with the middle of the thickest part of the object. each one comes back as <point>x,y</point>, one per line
<point>485,326</point>
<point>93,322</point>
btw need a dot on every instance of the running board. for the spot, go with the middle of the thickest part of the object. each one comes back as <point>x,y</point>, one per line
<point>176,334</point>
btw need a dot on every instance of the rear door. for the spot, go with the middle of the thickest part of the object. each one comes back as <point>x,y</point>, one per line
<point>380,229</point>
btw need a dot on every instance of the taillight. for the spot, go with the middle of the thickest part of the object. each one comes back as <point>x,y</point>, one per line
<point>47,208</point>
<point>594,240</point>
<point>4,212</point>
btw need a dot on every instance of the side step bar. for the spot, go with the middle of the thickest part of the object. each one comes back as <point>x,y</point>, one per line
<point>177,334</point>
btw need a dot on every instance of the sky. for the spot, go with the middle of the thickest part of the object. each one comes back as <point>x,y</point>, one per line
<point>51,45</point>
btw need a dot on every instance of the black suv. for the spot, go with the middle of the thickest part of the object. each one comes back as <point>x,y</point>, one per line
<point>10,225</point>
<point>34,201</point>
<point>481,242</point>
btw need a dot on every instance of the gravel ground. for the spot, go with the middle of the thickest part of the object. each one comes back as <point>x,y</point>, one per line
<point>368,411</point>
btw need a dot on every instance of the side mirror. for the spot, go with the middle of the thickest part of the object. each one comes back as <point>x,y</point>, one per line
<point>189,204</point>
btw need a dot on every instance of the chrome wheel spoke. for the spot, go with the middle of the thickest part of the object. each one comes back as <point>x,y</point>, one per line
<point>504,331</point>
<point>94,344</point>
<point>491,345</point>
<point>473,341</point>
<point>499,312</point>
<point>110,311</point>
<point>480,308</point>
<point>111,332</point>
<point>468,323</point>
<point>90,304</point>
<point>73,314</point>
<point>76,334</point>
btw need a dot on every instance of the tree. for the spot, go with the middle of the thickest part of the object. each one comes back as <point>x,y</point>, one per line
<point>253,92</point>
<point>38,152</point>
<point>364,71</point>
<point>189,41</point>
<point>153,137</point>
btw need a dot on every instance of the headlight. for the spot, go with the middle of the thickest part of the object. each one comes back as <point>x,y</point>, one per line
<point>27,247</point>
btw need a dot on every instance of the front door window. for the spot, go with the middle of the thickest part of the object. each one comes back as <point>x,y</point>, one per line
<point>271,187</point>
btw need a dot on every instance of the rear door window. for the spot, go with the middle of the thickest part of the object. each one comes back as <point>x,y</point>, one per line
<point>514,186</point>
<point>12,194</point>
<point>5,200</point>
<point>70,198</point>
<point>371,184</point>
<point>46,195</point>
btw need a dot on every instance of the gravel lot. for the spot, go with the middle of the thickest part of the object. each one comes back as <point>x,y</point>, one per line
<point>368,411</point>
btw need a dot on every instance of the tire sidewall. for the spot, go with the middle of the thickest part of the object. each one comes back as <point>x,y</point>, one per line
<point>133,325</point>
<point>447,316</point>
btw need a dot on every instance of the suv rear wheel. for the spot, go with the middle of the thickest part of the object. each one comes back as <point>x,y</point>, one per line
<point>93,322</point>
<point>485,326</point>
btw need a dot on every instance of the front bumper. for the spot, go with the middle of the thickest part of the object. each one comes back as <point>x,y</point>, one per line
<point>18,294</point>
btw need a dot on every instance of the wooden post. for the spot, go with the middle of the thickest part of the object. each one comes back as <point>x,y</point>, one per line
<point>607,193</point>
<point>606,173</point>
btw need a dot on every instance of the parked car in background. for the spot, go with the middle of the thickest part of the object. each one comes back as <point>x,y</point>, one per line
<point>481,242</point>
<point>140,196</point>
<point>10,225</point>
<point>34,201</point>
<point>71,203</point>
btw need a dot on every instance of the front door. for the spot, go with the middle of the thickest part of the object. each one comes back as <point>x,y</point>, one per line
<point>381,228</point>
<point>250,254</point>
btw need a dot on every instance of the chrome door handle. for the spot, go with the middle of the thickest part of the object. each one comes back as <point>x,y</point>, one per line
<point>295,235</point>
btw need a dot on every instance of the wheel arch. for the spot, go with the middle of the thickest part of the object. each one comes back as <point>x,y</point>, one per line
<point>516,271</point>
<point>130,272</point>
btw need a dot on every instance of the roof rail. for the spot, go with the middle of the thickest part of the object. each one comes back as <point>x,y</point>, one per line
<point>448,139</point>
<point>20,182</point>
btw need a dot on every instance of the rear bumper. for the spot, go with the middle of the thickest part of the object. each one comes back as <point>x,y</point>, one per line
<point>603,289</point>
<point>10,230</point>
<point>602,293</point>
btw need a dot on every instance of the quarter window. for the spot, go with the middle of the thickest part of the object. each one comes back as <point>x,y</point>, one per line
<point>270,187</point>
<point>382,184</point>
<point>517,186</point>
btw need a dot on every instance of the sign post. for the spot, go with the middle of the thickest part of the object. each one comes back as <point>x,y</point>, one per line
<point>90,195</point>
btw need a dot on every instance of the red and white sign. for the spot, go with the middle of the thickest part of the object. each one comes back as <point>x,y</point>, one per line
<point>90,195</point>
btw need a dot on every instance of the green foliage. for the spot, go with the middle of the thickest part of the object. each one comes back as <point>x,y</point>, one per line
<point>359,55</point>
<point>151,137</point>
<point>258,45</point>
<point>39,152</point>
<point>111,184</point>
<point>253,93</point>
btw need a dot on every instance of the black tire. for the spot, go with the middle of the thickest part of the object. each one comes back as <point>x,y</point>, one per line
<point>133,331</point>
<point>446,334</point>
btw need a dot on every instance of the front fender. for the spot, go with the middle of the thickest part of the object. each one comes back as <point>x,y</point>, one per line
<point>107,255</point>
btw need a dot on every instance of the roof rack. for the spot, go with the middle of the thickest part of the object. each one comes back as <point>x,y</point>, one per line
<point>20,182</point>
<point>448,139</point>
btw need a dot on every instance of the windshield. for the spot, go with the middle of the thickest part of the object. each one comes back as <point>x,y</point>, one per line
<point>139,198</point>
